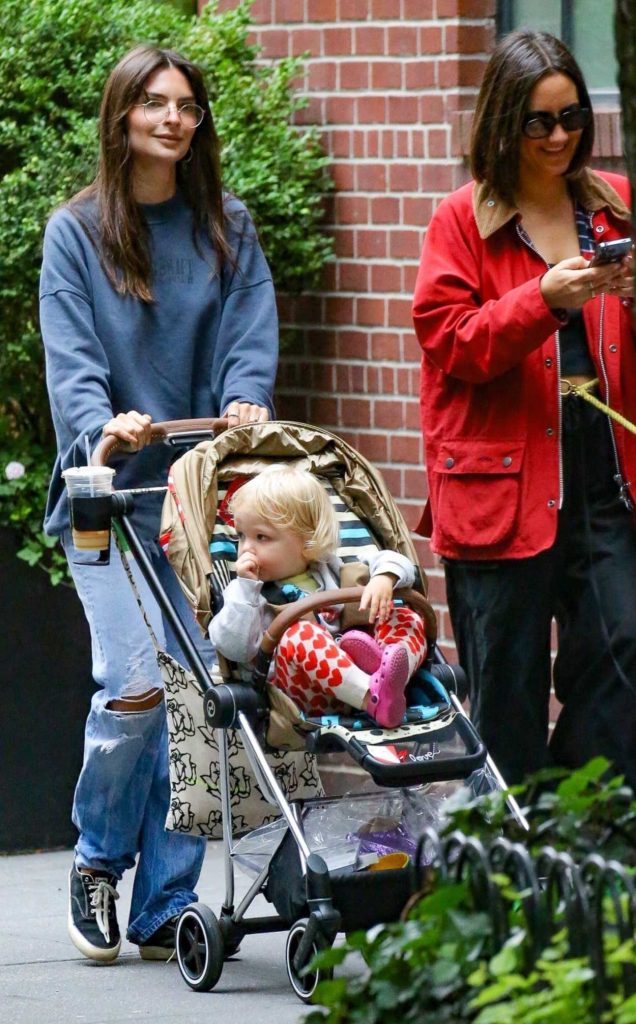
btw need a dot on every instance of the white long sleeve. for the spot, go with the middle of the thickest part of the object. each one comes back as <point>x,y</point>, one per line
<point>237,630</point>
<point>393,562</point>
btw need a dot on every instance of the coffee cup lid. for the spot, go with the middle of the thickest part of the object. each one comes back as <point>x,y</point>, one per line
<point>88,471</point>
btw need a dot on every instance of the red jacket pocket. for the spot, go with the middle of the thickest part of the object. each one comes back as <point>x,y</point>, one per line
<point>478,491</point>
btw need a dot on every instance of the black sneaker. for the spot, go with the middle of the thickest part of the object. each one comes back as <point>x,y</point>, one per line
<point>160,945</point>
<point>92,921</point>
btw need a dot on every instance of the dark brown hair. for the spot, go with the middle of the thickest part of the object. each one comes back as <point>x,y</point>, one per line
<point>122,231</point>
<point>519,61</point>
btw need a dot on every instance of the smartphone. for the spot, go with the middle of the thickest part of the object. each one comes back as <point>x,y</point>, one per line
<point>611,252</point>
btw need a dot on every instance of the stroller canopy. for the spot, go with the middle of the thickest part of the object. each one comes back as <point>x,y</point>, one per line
<point>190,508</point>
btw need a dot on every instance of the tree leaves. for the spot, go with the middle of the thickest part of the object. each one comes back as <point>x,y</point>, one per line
<point>54,62</point>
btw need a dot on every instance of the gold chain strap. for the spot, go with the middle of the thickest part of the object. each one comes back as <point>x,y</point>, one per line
<point>584,391</point>
<point>122,546</point>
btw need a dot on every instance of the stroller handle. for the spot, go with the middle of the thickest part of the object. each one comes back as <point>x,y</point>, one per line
<point>347,595</point>
<point>165,431</point>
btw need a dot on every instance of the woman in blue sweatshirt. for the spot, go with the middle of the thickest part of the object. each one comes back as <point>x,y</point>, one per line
<point>156,303</point>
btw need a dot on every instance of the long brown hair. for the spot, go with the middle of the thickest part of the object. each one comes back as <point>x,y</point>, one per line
<point>122,231</point>
<point>517,63</point>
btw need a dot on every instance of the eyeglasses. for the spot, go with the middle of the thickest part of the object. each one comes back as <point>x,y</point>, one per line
<point>156,111</point>
<point>538,124</point>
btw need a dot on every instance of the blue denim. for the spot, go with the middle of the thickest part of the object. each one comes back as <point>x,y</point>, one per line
<point>123,792</point>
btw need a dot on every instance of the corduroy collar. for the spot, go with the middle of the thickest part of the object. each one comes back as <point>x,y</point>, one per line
<point>591,191</point>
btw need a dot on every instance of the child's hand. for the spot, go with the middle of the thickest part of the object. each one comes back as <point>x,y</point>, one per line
<point>247,566</point>
<point>377,596</point>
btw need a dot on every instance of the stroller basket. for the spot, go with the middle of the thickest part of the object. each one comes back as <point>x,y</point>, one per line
<point>362,897</point>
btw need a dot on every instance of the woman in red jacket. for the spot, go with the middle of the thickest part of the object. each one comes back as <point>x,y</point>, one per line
<point>531,487</point>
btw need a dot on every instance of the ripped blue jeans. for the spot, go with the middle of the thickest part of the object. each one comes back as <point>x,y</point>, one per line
<point>123,792</point>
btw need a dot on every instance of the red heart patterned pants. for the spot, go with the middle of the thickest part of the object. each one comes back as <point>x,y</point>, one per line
<point>321,678</point>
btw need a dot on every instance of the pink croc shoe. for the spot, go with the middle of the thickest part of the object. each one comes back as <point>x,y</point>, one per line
<point>387,703</point>
<point>364,650</point>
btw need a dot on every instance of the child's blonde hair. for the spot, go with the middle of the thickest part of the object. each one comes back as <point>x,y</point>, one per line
<point>293,499</point>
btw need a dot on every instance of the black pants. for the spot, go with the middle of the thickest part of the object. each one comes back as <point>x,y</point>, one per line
<point>502,613</point>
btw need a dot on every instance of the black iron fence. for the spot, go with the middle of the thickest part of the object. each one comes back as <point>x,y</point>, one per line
<point>594,901</point>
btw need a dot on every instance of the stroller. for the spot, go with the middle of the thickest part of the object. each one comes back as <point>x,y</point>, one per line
<point>436,743</point>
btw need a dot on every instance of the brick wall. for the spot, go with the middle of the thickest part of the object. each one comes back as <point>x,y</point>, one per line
<point>387,80</point>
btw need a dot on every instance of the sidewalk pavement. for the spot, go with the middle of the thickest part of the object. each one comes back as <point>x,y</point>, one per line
<point>44,980</point>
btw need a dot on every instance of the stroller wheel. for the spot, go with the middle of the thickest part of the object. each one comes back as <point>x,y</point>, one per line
<point>304,983</point>
<point>199,945</point>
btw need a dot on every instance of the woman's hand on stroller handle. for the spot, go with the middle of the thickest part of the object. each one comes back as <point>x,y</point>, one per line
<point>132,429</point>
<point>167,431</point>
<point>238,413</point>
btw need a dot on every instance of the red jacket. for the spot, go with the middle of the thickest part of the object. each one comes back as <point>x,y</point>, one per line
<point>490,399</point>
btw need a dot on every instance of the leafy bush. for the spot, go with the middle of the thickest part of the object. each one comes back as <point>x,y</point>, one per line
<point>441,963</point>
<point>417,969</point>
<point>434,968</point>
<point>580,812</point>
<point>55,59</point>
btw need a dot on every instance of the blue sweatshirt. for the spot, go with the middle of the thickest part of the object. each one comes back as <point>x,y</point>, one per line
<point>207,339</point>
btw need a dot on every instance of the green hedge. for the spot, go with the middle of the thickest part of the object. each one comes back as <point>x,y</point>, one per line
<point>55,59</point>
<point>442,962</point>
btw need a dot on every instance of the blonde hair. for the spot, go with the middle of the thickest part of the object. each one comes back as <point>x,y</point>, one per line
<point>293,499</point>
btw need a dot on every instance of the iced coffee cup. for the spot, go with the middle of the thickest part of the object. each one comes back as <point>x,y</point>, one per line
<point>89,489</point>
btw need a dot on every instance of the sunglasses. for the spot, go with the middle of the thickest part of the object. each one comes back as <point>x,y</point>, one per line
<point>538,124</point>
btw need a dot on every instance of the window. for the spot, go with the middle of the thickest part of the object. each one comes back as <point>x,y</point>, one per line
<point>585,26</point>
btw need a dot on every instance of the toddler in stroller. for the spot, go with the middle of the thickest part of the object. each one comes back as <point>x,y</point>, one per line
<point>288,534</point>
<point>433,741</point>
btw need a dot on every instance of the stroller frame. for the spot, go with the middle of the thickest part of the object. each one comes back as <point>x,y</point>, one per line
<point>204,942</point>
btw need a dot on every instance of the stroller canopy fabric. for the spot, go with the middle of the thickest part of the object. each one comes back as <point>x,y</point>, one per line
<point>190,508</point>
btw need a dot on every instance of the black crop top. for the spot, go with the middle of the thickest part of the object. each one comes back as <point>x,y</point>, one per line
<point>573,347</point>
